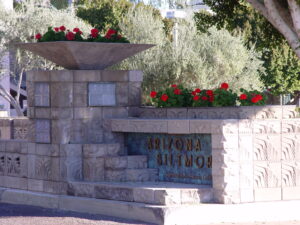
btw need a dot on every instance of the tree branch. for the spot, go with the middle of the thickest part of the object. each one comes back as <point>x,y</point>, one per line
<point>259,6</point>
<point>11,100</point>
<point>295,12</point>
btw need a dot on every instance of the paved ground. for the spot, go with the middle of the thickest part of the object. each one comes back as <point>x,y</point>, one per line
<point>29,215</point>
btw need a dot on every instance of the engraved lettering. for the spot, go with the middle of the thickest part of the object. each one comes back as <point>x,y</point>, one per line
<point>198,145</point>
<point>179,144</point>
<point>189,144</point>
<point>209,162</point>
<point>157,143</point>
<point>149,144</point>
<point>188,161</point>
<point>159,159</point>
<point>200,164</point>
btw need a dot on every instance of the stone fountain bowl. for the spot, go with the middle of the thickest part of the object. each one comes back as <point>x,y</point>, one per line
<point>75,55</point>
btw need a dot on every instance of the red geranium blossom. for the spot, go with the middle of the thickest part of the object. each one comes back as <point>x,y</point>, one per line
<point>109,33</point>
<point>177,91</point>
<point>70,36</point>
<point>254,99</point>
<point>164,97</point>
<point>62,28</point>
<point>56,29</point>
<point>243,96</point>
<point>94,32</point>
<point>211,98</point>
<point>196,98</point>
<point>38,36</point>
<point>194,93</point>
<point>153,94</point>
<point>209,92</point>
<point>204,98</point>
<point>77,30</point>
<point>224,86</point>
<point>259,97</point>
<point>173,85</point>
<point>197,90</point>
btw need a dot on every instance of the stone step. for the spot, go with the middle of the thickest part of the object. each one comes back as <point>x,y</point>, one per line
<point>126,162</point>
<point>134,175</point>
<point>154,193</point>
<point>102,150</point>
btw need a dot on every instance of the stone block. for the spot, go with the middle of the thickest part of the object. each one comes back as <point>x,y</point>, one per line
<point>152,113</point>
<point>290,145</point>
<point>289,112</point>
<point>31,148</point>
<point>122,94</point>
<point>267,147</point>
<point>119,125</point>
<point>267,194</point>
<point>117,162</point>
<point>109,136</point>
<point>177,113</point>
<point>228,197</point>
<point>247,195</point>
<point>167,197</point>
<point>291,126</point>
<point>42,113</point>
<point>61,131</point>
<point>54,187</point>
<point>71,168</point>
<point>38,76</point>
<point>245,127</point>
<point>222,113</point>
<point>71,150</point>
<point>42,94</point>
<point>23,129</point>
<point>246,152</point>
<point>30,111</point>
<point>115,75</point>
<point>80,95</point>
<point>16,165</point>
<point>101,150</point>
<point>16,147</point>
<point>137,161</point>
<point>196,196</point>
<point>5,129</point>
<point>47,149</point>
<point>135,75</point>
<point>35,185</point>
<point>145,195</point>
<point>135,94</point>
<point>246,175</point>
<point>115,175</point>
<point>81,189</point>
<point>62,113</point>
<point>88,113</point>
<point>197,113</point>
<point>87,75</point>
<point>30,93</point>
<point>42,131</point>
<point>246,112</point>
<point>290,173</point>
<point>93,169</point>
<point>61,94</point>
<point>266,127</point>
<point>268,112</point>
<point>115,112</point>
<point>148,126</point>
<point>178,126</point>
<point>114,193</point>
<point>222,141</point>
<point>15,182</point>
<point>95,131</point>
<point>267,174</point>
<point>61,75</point>
<point>201,126</point>
<point>290,193</point>
<point>43,167</point>
<point>101,94</point>
<point>141,175</point>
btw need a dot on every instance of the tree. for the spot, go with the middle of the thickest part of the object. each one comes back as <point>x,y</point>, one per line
<point>202,60</point>
<point>238,16</point>
<point>20,26</point>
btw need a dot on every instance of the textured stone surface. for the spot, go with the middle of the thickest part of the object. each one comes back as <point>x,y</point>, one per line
<point>96,55</point>
<point>93,169</point>
<point>102,94</point>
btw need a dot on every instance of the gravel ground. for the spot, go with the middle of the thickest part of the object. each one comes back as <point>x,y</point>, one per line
<point>30,215</point>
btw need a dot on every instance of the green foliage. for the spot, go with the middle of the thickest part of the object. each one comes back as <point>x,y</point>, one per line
<point>281,65</point>
<point>204,59</point>
<point>176,96</point>
<point>224,97</point>
<point>59,4</point>
<point>103,14</point>
<point>254,97</point>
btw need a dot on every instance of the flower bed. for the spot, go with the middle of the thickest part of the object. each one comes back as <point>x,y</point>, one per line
<point>63,34</point>
<point>179,96</point>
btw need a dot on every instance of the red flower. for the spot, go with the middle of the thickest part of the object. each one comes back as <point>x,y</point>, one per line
<point>109,33</point>
<point>94,33</point>
<point>243,97</point>
<point>254,99</point>
<point>210,92</point>
<point>224,86</point>
<point>62,28</point>
<point>173,85</point>
<point>38,36</point>
<point>211,98</point>
<point>119,36</point>
<point>177,91</point>
<point>259,97</point>
<point>196,98</point>
<point>204,98</point>
<point>153,94</point>
<point>56,29</point>
<point>197,90</point>
<point>77,30</point>
<point>194,93</point>
<point>70,36</point>
<point>164,97</point>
